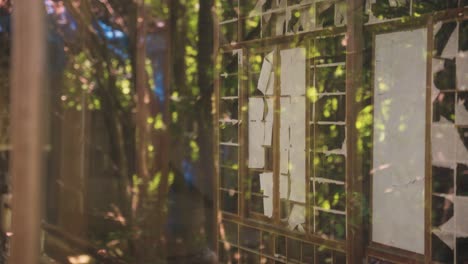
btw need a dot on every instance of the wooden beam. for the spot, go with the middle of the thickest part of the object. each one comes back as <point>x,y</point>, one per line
<point>354,177</point>
<point>27,109</point>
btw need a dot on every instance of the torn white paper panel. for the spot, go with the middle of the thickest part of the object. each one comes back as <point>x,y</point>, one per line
<point>285,121</point>
<point>256,109</point>
<point>284,186</point>
<point>297,170</point>
<point>281,3</point>
<point>293,71</point>
<point>297,216</point>
<point>341,151</point>
<point>400,62</point>
<point>285,143</point>
<point>280,24</point>
<point>462,70</point>
<point>284,160</point>
<point>266,184</point>
<point>271,84</point>
<point>258,8</point>
<point>451,48</point>
<point>306,20</point>
<point>461,114</point>
<point>457,226</point>
<point>444,138</point>
<point>437,66</point>
<point>285,111</point>
<point>268,133</point>
<point>447,238</point>
<point>340,13</point>
<point>265,73</point>
<point>256,150</point>
<point>270,109</point>
<point>369,4</point>
<point>297,117</point>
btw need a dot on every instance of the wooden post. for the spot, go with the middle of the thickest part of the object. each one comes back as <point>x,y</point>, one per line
<point>354,177</point>
<point>27,89</point>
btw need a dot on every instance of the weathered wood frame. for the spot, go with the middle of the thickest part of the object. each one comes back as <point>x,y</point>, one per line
<point>358,245</point>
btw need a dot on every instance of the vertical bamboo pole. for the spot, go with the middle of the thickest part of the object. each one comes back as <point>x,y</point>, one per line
<point>27,89</point>
<point>354,176</point>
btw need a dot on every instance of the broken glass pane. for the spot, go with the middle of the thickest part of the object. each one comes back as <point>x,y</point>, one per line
<point>331,166</point>
<point>443,36</point>
<point>280,247</point>
<point>229,179</point>
<point>462,179</point>
<point>294,250</point>
<point>247,6</point>
<point>444,108</point>
<point>462,252</point>
<point>462,148</point>
<point>325,14</point>
<point>228,156</point>
<point>330,49</point>
<point>442,210</point>
<point>442,180</point>
<point>230,63</point>
<point>228,132</point>
<point>228,33</point>
<point>331,108</point>
<point>229,110</point>
<point>428,6</point>
<point>274,24</point>
<point>249,237</point>
<point>440,251</point>
<point>463,35</point>
<point>330,79</point>
<point>390,8</point>
<point>252,28</point>
<point>228,253</point>
<point>330,224</point>
<point>229,201</point>
<point>254,182</point>
<point>229,85</point>
<point>461,108</point>
<point>256,203</point>
<point>330,196</point>
<point>230,9</point>
<point>324,255</point>
<point>330,137</point>
<point>308,253</point>
<point>302,19</point>
<point>446,79</point>
<point>230,232</point>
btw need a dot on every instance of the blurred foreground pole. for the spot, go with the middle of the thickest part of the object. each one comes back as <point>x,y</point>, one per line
<point>27,89</point>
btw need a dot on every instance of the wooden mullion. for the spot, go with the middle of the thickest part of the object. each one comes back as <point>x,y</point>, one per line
<point>354,179</point>
<point>428,147</point>
<point>216,207</point>
<point>276,140</point>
